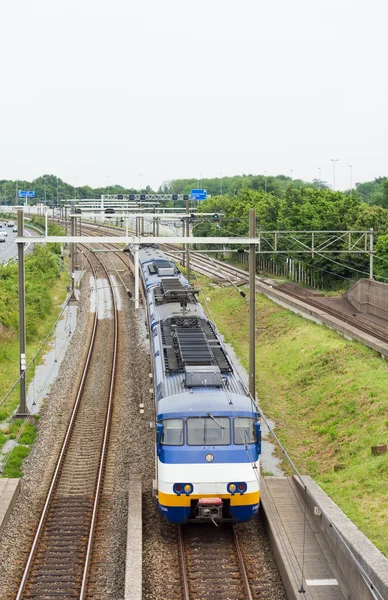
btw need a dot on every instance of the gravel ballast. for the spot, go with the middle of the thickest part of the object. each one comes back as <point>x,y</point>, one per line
<point>131,451</point>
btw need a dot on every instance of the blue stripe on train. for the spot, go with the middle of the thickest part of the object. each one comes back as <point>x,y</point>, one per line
<point>196,455</point>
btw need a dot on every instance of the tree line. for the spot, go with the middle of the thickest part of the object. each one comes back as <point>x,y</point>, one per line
<point>304,209</point>
<point>51,188</point>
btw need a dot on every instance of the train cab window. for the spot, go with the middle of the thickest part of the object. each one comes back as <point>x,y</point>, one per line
<point>208,431</point>
<point>172,434</point>
<point>244,430</point>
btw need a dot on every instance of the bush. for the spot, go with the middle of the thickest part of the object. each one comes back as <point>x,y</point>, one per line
<point>41,270</point>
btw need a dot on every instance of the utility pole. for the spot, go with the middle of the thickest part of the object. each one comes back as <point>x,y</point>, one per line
<point>371,254</point>
<point>334,160</point>
<point>184,228</point>
<point>187,245</point>
<point>184,250</point>
<point>23,410</point>
<point>72,250</point>
<point>252,305</point>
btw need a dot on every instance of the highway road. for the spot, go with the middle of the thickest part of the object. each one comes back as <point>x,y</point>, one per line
<point>9,250</point>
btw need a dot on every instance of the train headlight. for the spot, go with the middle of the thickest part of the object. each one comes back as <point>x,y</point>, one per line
<point>182,488</point>
<point>242,487</point>
<point>209,457</point>
<point>237,487</point>
<point>177,488</point>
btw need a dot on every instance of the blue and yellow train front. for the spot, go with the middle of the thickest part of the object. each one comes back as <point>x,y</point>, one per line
<point>208,467</point>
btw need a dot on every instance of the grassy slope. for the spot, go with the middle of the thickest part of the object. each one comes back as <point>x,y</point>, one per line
<point>9,367</point>
<point>328,397</point>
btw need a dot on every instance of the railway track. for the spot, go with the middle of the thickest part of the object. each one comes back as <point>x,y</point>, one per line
<point>211,267</point>
<point>59,559</point>
<point>212,564</point>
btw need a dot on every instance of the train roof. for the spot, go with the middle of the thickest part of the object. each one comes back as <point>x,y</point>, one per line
<point>187,404</point>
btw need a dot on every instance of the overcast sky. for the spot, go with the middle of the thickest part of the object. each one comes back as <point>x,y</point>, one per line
<point>137,92</point>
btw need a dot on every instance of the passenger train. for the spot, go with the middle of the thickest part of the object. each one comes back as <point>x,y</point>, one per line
<point>208,438</point>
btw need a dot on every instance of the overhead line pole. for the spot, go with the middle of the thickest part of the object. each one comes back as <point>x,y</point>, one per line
<point>23,410</point>
<point>72,250</point>
<point>187,245</point>
<point>252,305</point>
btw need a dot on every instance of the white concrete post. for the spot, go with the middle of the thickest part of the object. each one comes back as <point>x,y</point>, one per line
<point>371,253</point>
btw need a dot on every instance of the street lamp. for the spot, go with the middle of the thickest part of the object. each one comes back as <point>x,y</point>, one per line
<point>75,187</point>
<point>351,178</point>
<point>292,174</point>
<point>319,177</point>
<point>334,160</point>
<point>45,190</point>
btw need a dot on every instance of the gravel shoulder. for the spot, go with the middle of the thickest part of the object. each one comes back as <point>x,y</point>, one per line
<point>40,464</point>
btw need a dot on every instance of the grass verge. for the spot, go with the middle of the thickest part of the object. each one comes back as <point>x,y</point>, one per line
<point>43,317</point>
<point>327,396</point>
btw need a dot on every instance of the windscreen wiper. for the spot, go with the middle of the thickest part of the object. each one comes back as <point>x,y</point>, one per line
<point>216,421</point>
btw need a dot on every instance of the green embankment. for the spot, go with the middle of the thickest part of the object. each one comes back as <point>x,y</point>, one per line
<point>328,397</point>
<point>46,285</point>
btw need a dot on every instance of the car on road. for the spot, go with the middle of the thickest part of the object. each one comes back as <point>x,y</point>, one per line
<point>11,224</point>
<point>15,229</point>
<point>3,232</point>
<point>2,239</point>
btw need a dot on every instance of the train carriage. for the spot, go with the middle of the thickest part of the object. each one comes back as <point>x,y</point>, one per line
<point>208,438</point>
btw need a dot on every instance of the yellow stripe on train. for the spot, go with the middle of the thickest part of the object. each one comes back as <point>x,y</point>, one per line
<point>183,500</point>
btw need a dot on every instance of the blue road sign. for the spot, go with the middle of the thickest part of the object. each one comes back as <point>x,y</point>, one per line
<point>26,194</point>
<point>198,194</point>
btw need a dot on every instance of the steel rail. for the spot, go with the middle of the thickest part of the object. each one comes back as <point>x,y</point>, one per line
<point>104,445</point>
<point>59,462</point>
<point>185,578</point>
<point>240,560</point>
<point>64,448</point>
<point>243,571</point>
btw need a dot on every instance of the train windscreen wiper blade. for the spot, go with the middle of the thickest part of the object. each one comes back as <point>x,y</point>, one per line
<point>216,420</point>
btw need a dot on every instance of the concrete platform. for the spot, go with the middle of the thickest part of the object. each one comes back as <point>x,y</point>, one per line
<point>134,557</point>
<point>338,561</point>
<point>9,491</point>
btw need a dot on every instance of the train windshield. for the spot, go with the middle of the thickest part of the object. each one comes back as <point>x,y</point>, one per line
<point>212,431</point>
<point>244,430</point>
<point>172,432</point>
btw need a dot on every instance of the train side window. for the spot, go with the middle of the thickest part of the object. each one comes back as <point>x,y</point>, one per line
<point>172,434</point>
<point>244,430</point>
<point>206,431</point>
